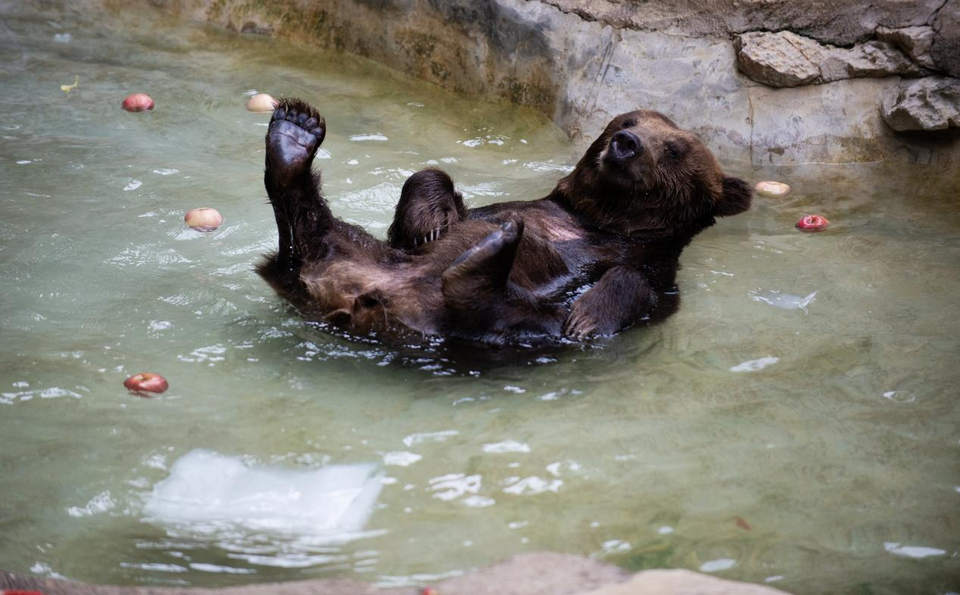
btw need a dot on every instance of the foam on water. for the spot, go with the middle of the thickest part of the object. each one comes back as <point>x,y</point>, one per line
<point>210,491</point>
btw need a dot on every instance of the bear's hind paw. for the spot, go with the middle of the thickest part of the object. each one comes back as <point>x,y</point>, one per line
<point>295,133</point>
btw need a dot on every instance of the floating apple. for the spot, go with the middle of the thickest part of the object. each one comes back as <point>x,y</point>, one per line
<point>203,219</point>
<point>146,382</point>
<point>771,189</point>
<point>812,223</point>
<point>138,102</point>
<point>261,102</point>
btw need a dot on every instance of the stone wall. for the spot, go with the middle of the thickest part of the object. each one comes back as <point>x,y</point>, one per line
<point>764,81</point>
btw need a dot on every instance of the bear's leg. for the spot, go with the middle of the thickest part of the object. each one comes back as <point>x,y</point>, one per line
<point>619,299</point>
<point>303,217</point>
<point>480,274</point>
<point>428,207</point>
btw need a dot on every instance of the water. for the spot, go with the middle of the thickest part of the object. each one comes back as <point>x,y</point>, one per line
<point>795,422</point>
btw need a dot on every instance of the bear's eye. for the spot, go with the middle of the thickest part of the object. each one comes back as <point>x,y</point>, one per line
<point>627,124</point>
<point>673,150</point>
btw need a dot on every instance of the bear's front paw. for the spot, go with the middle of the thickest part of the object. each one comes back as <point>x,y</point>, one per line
<point>579,325</point>
<point>295,133</point>
<point>587,319</point>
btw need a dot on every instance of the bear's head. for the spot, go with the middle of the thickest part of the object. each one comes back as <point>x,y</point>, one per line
<point>646,176</point>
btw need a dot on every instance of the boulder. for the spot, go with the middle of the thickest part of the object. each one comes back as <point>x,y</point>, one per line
<point>925,104</point>
<point>945,50</point>
<point>785,59</point>
<point>782,59</point>
<point>873,59</point>
<point>913,41</point>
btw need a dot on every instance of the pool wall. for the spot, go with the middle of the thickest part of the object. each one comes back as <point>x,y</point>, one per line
<point>762,82</point>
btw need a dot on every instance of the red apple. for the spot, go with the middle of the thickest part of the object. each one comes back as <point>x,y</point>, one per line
<point>146,382</point>
<point>203,219</point>
<point>772,189</point>
<point>812,223</point>
<point>261,102</point>
<point>138,102</point>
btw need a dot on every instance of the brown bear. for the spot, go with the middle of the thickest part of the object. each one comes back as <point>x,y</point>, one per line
<point>598,254</point>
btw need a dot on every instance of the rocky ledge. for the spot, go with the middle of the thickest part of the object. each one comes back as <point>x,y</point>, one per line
<point>762,81</point>
<point>525,574</point>
<point>925,104</point>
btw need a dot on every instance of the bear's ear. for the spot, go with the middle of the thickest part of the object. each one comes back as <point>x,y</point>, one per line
<point>736,197</point>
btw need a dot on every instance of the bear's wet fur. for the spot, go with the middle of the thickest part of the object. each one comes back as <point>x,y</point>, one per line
<point>600,253</point>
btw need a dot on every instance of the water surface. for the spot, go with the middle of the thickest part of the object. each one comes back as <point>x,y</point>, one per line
<point>796,422</point>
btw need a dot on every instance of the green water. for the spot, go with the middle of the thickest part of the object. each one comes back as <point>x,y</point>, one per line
<point>829,464</point>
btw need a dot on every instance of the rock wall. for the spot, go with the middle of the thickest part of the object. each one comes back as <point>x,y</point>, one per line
<point>764,81</point>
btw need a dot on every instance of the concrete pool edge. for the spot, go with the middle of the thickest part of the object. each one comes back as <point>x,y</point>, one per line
<point>538,573</point>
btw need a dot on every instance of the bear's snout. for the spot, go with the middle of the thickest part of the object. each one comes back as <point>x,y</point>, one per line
<point>624,146</point>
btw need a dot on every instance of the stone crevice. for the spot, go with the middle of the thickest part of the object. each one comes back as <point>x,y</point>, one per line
<point>933,17</point>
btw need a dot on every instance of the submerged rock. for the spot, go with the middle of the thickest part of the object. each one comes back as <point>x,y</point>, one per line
<point>923,104</point>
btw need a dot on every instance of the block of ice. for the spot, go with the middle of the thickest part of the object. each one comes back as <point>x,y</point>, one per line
<point>210,491</point>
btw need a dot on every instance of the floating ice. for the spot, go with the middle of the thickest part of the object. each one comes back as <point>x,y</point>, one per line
<point>132,185</point>
<point>207,490</point>
<point>429,437</point>
<point>778,299</point>
<point>400,458</point>
<point>477,501</point>
<point>367,137</point>
<point>912,551</point>
<point>505,447</point>
<point>450,487</point>
<point>615,546</point>
<point>533,485</point>
<point>102,502</point>
<point>718,565</point>
<point>755,364</point>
